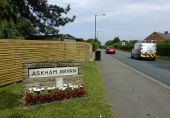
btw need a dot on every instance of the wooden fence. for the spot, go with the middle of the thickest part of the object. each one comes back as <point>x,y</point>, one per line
<point>13,53</point>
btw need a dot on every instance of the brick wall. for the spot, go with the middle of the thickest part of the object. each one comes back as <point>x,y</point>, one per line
<point>13,53</point>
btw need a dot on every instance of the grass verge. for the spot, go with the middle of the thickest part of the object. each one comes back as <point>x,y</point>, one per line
<point>94,105</point>
<point>164,57</point>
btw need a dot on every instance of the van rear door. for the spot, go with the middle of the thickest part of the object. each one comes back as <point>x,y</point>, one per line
<point>148,48</point>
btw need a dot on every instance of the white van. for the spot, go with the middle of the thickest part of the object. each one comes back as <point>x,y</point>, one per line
<point>144,50</point>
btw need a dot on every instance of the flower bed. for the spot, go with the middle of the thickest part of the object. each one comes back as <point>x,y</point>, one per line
<point>36,96</point>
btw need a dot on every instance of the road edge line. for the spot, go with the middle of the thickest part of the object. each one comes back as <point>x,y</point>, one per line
<point>156,81</point>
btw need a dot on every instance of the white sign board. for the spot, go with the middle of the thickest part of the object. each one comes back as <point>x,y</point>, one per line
<point>51,72</point>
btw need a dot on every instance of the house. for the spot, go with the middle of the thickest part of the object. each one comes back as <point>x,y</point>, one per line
<point>68,37</point>
<point>59,37</point>
<point>157,36</point>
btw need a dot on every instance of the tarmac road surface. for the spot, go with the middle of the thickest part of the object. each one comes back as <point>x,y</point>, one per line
<point>158,69</point>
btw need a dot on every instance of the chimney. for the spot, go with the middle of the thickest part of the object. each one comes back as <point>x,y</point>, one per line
<point>166,32</point>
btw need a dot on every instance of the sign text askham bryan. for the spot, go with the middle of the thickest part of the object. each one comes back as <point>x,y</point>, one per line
<point>49,72</point>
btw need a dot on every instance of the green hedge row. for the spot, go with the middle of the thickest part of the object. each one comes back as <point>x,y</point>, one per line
<point>163,47</point>
<point>126,48</point>
<point>163,50</point>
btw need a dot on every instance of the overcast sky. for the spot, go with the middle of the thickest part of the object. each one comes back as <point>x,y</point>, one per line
<point>127,19</point>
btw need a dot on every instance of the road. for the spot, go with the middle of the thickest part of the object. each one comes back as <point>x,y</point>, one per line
<point>131,94</point>
<point>158,69</point>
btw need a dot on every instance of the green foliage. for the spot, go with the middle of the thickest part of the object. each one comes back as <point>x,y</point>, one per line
<point>109,43</point>
<point>117,45</point>
<point>126,47</point>
<point>163,47</point>
<point>24,27</point>
<point>29,17</point>
<point>8,30</point>
<point>113,42</point>
<point>132,42</point>
<point>8,12</point>
<point>42,16</point>
<point>163,42</point>
<point>95,43</point>
<point>163,57</point>
<point>116,40</point>
<point>8,18</point>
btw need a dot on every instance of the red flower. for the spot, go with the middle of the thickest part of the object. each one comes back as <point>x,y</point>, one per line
<point>31,99</point>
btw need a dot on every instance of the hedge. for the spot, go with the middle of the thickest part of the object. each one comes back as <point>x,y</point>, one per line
<point>126,47</point>
<point>163,47</point>
<point>163,50</point>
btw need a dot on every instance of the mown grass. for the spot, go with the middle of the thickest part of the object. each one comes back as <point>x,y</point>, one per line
<point>94,105</point>
<point>164,57</point>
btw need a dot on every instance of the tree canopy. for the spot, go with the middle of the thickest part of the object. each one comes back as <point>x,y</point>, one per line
<point>116,40</point>
<point>31,17</point>
<point>112,42</point>
<point>95,43</point>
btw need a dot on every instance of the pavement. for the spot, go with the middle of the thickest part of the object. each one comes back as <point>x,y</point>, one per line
<point>132,94</point>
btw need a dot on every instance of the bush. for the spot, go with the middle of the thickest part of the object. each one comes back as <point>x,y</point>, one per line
<point>163,47</point>
<point>95,43</point>
<point>163,50</point>
<point>126,47</point>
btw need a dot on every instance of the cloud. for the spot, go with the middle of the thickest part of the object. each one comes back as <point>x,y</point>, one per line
<point>129,19</point>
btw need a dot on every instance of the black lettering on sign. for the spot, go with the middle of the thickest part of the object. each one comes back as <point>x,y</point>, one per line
<point>69,71</point>
<point>50,72</point>
<point>34,73</point>
<point>38,73</point>
<point>74,70</point>
<point>54,71</point>
<point>42,72</point>
<point>63,71</point>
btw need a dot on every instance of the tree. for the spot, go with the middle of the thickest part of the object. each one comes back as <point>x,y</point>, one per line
<point>8,19</point>
<point>95,43</point>
<point>25,28</point>
<point>109,43</point>
<point>42,16</point>
<point>132,42</point>
<point>32,17</point>
<point>7,11</point>
<point>116,40</point>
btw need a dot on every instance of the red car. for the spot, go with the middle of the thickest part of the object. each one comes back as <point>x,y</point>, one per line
<point>110,50</point>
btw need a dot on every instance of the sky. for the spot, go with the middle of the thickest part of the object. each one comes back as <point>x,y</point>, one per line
<point>126,19</point>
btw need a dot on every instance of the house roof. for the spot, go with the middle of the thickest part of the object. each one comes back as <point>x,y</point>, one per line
<point>68,36</point>
<point>164,35</point>
<point>59,37</point>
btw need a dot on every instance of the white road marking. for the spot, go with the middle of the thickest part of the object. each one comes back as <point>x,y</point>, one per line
<point>156,81</point>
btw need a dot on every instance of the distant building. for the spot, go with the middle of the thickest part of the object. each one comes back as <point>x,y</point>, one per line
<point>157,36</point>
<point>59,37</point>
<point>68,37</point>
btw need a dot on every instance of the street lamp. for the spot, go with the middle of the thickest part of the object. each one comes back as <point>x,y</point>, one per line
<point>95,21</point>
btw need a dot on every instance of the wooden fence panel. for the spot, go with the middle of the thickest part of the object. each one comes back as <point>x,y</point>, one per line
<point>13,53</point>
